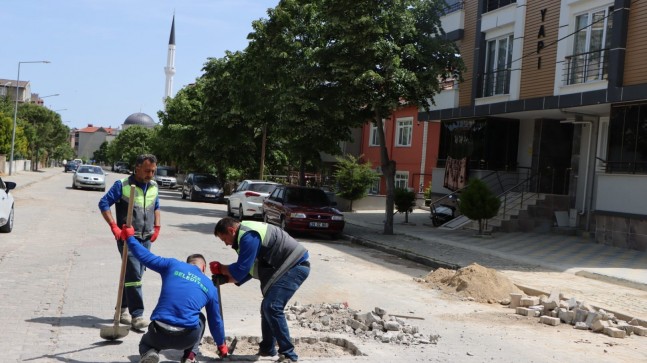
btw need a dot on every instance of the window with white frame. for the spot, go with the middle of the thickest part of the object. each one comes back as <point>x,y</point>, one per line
<point>373,139</point>
<point>375,187</point>
<point>498,65</point>
<point>402,179</point>
<point>404,131</point>
<point>591,44</point>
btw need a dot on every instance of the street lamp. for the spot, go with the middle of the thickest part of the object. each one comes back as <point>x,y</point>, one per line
<point>15,115</point>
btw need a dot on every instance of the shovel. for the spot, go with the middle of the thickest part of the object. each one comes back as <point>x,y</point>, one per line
<point>117,331</point>
<point>232,346</point>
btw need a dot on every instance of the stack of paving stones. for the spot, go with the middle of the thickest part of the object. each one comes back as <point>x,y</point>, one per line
<point>553,310</point>
<point>376,325</point>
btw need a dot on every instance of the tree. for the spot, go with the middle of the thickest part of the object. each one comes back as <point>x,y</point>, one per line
<point>404,201</point>
<point>477,202</point>
<point>353,179</point>
<point>44,130</point>
<point>381,55</point>
<point>101,155</point>
<point>133,141</point>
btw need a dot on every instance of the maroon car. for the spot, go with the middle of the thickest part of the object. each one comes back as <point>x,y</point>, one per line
<point>303,209</point>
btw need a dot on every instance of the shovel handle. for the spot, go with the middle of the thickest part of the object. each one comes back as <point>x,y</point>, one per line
<point>124,257</point>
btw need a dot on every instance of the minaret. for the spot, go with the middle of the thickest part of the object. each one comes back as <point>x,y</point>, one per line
<point>170,63</point>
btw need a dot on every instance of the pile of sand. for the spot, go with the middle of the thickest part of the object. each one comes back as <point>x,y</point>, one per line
<point>475,281</point>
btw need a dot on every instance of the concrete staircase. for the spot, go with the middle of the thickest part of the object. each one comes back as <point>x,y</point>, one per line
<point>534,214</point>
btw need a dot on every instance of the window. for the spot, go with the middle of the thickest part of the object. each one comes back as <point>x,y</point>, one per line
<point>373,139</point>
<point>404,131</point>
<point>591,44</point>
<point>498,62</point>
<point>402,179</point>
<point>627,140</point>
<point>375,187</point>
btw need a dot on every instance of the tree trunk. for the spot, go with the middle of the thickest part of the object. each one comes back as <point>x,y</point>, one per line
<point>302,171</point>
<point>388,170</point>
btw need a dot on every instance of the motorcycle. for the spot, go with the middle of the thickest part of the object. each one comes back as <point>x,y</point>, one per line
<point>443,212</point>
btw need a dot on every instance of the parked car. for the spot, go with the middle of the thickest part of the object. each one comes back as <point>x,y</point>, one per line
<point>71,166</point>
<point>6,206</point>
<point>121,167</point>
<point>89,177</point>
<point>165,177</point>
<point>247,199</point>
<point>303,209</point>
<point>201,186</point>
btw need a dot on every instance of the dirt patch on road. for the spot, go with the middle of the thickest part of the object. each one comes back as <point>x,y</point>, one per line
<point>474,282</point>
<point>247,347</point>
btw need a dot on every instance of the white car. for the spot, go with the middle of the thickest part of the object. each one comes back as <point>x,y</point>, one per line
<point>6,206</point>
<point>164,177</point>
<point>90,177</point>
<point>247,200</point>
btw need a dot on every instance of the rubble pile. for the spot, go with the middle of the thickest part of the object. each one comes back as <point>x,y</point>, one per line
<point>376,324</point>
<point>475,282</point>
<point>552,310</point>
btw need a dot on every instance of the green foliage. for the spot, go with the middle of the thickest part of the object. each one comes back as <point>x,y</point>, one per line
<point>133,141</point>
<point>404,200</point>
<point>101,155</point>
<point>477,202</point>
<point>63,152</point>
<point>353,179</point>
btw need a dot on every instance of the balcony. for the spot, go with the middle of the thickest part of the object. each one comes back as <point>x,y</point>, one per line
<point>496,83</point>
<point>586,67</point>
<point>453,20</point>
<point>490,5</point>
<point>447,98</point>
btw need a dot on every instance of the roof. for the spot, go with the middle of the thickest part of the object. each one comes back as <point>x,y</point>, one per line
<point>139,118</point>
<point>92,129</point>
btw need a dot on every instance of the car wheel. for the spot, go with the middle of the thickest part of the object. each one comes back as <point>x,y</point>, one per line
<point>183,195</point>
<point>191,197</point>
<point>241,216</point>
<point>73,185</point>
<point>103,189</point>
<point>229,212</point>
<point>9,225</point>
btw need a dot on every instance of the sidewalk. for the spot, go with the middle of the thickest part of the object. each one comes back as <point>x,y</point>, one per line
<point>606,277</point>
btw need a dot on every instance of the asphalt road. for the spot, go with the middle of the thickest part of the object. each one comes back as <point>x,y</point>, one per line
<point>59,270</point>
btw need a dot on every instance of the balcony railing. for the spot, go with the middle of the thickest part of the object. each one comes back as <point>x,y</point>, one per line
<point>489,5</point>
<point>496,83</point>
<point>586,67</point>
<point>452,7</point>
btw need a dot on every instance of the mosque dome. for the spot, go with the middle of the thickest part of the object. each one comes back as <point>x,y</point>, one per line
<point>140,119</point>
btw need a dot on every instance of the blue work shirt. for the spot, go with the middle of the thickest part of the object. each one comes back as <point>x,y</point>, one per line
<point>114,194</point>
<point>185,291</point>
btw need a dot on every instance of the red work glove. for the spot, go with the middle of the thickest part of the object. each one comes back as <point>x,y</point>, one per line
<point>216,267</point>
<point>127,232</point>
<point>223,351</point>
<point>156,233</point>
<point>115,230</point>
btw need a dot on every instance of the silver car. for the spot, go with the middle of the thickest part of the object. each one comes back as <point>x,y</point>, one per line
<point>89,177</point>
<point>6,206</point>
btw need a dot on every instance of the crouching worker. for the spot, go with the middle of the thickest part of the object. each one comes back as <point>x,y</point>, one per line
<point>177,321</point>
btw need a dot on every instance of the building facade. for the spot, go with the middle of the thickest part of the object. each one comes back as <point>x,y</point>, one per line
<point>557,89</point>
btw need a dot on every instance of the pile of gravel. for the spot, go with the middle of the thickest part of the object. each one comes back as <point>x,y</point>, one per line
<point>374,325</point>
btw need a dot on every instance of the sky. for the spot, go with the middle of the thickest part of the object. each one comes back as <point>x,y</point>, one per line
<point>108,57</point>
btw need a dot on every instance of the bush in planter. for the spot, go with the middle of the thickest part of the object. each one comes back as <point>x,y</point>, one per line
<point>428,196</point>
<point>477,202</point>
<point>404,200</point>
<point>353,178</point>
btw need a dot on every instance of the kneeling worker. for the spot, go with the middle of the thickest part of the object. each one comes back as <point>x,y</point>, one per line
<point>176,322</point>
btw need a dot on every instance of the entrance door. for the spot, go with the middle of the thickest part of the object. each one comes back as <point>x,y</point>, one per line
<point>552,152</point>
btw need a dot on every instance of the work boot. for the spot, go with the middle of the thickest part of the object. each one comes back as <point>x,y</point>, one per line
<point>140,323</point>
<point>125,317</point>
<point>152,356</point>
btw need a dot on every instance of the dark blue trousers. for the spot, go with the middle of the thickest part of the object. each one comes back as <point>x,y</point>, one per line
<point>159,339</point>
<point>133,298</point>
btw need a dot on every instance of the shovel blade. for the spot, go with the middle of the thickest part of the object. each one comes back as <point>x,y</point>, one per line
<point>114,332</point>
<point>232,346</point>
